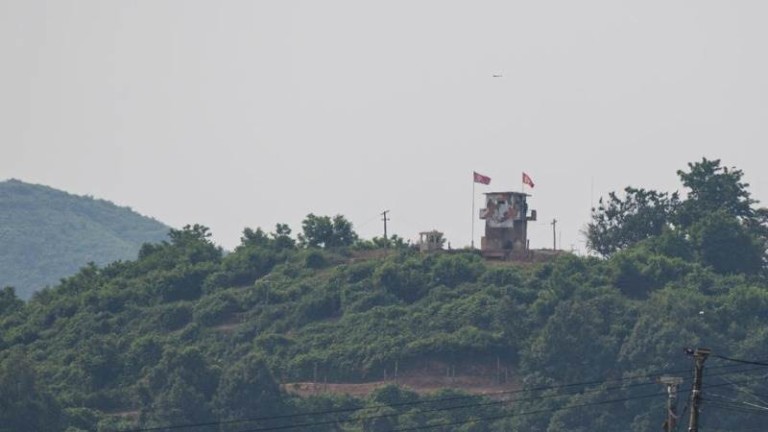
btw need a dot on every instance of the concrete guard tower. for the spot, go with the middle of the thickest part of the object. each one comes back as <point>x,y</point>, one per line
<point>430,241</point>
<point>506,225</point>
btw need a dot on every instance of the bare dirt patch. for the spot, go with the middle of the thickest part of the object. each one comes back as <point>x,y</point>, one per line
<point>131,415</point>
<point>488,380</point>
<point>231,323</point>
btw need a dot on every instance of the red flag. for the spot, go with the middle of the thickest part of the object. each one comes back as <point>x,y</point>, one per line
<point>479,178</point>
<point>527,180</point>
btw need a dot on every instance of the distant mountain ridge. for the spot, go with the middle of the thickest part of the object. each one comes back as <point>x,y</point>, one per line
<point>47,234</point>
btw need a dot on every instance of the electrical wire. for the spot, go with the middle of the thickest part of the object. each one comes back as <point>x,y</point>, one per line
<point>373,407</point>
<point>400,404</point>
<point>499,417</point>
<point>428,401</point>
<point>745,391</point>
<point>687,402</point>
<point>740,360</point>
<point>681,416</point>
<point>737,402</point>
<point>450,408</point>
<point>373,417</point>
<point>736,408</point>
<point>685,409</point>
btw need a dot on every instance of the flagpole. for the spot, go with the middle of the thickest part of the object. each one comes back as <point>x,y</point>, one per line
<point>472,241</point>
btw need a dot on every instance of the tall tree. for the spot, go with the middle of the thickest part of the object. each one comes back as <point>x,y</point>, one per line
<point>8,301</point>
<point>279,239</point>
<point>716,221</point>
<point>254,238</point>
<point>194,243</point>
<point>726,245</point>
<point>282,237</point>
<point>711,188</point>
<point>24,406</point>
<point>247,389</point>
<point>322,231</point>
<point>622,221</point>
<point>179,388</point>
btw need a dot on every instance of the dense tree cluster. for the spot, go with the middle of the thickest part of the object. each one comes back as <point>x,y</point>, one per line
<point>716,224</point>
<point>322,231</point>
<point>188,334</point>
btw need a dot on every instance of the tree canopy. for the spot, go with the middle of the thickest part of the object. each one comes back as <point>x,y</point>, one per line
<point>186,334</point>
<point>716,223</point>
<point>327,232</point>
<point>47,234</point>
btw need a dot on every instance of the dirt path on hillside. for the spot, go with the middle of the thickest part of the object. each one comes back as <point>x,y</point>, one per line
<point>422,383</point>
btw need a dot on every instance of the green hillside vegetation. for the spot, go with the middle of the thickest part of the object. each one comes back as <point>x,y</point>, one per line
<point>48,234</point>
<point>185,335</point>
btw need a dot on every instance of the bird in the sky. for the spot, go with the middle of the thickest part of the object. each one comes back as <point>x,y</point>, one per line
<point>498,75</point>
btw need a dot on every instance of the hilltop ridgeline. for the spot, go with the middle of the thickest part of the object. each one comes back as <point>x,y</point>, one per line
<point>47,234</point>
<point>185,335</point>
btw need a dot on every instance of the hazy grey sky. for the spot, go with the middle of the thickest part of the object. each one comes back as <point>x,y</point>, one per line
<point>249,113</point>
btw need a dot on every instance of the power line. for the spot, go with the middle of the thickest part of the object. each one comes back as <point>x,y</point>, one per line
<point>450,408</point>
<point>501,417</point>
<point>575,386</point>
<point>736,408</point>
<point>400,404</point>
<point>740,360</point>
<point>753,410</point>
<point>682,415</point>
<point>374,417</point>
<point>458,422</point>
<point>745,391</point>
<point>739,402</point>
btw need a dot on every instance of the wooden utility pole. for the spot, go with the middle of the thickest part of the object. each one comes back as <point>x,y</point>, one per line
<point>672,383</point>
<point>699,357</point>
<point>385,219</point>
<point>554,234</point>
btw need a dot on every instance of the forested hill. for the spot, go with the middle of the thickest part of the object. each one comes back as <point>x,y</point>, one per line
<point>47,234</point>
<point>187,338</point>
